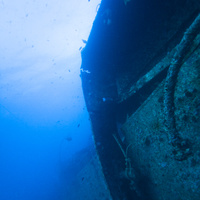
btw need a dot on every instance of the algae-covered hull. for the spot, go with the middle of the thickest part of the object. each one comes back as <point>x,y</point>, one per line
<point>141,83</point>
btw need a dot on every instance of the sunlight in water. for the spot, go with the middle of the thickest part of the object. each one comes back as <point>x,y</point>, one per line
<point>40,58</point>
<point>41,99</point>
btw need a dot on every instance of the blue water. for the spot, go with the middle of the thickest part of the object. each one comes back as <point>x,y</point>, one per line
<point>33,158</point>
<point>43,124</point>
<point>43,118</point>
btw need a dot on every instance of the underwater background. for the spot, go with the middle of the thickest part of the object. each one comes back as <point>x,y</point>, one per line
<point>100,100</point>
<point>44,123</point>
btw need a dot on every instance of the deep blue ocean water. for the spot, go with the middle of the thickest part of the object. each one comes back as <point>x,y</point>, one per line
<point>33,159</point>
<point>43,118</point>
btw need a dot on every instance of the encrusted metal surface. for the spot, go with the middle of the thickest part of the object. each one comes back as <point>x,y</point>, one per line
<point>152,149</point>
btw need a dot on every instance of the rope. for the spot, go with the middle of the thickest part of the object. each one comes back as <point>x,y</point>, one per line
<point>169,88</point>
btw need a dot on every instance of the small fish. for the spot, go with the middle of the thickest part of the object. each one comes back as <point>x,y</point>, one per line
<point>68,139</point>
<point>86,71</point>
<point>126,1</point>
<point>107,99</point>
<point>84,41</point>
